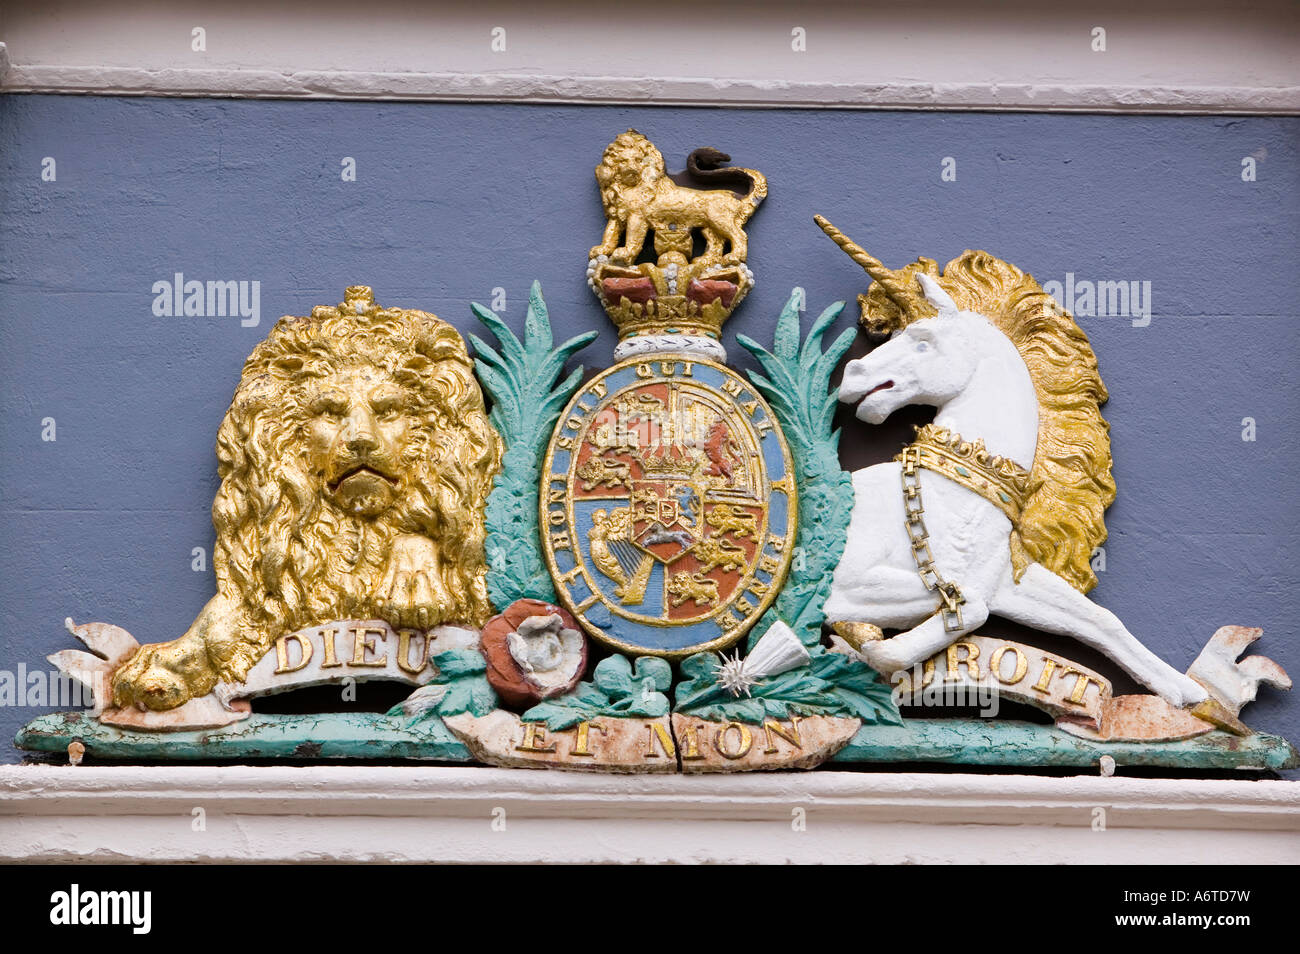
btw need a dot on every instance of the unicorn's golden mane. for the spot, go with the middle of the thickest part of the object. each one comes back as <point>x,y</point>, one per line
<point>1064,518</point>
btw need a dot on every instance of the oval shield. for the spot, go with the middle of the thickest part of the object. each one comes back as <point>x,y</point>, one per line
<point>668,506</point>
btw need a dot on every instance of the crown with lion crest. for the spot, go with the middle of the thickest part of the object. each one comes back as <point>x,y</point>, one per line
<point>679,299</point>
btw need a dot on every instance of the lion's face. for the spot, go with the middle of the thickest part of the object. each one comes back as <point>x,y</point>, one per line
<point>351,429</point>
<point>629,162</point>
<point>624,174</point>
<point>357,437</point>
<point>355,461</point>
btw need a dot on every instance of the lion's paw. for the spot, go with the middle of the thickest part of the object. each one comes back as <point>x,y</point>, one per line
<point>410,595</point>
<point>162,676</point>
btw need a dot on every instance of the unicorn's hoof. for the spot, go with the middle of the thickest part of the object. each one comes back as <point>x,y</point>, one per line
<point>882,657</point>
<point>857,634</point>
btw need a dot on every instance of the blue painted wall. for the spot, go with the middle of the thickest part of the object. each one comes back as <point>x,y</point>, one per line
<point>451,201</point>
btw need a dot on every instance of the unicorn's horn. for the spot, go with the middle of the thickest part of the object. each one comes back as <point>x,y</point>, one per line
<point>895,286</point>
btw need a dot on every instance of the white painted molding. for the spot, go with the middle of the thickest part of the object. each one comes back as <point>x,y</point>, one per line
<point>660,91</point>
<point>1190,56</point>
<point>385,814</point>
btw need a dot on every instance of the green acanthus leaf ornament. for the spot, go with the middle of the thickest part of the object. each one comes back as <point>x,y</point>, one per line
<point>796,383</point>
<point>521,378</point>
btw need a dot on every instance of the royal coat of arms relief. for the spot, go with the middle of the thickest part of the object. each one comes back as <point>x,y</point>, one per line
<point>662,566</point>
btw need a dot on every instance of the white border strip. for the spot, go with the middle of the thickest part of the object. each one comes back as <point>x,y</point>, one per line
<point>671,91</point>
<point>442,814</point>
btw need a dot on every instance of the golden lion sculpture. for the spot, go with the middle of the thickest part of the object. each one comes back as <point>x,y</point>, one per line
<point>639,195</point>
<point>355,462</point>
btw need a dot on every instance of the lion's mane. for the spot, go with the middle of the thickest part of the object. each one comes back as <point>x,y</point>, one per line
<point>285,553</point>
<point>629,150</point>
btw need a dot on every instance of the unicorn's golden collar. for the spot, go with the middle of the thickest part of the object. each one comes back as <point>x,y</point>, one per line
<point>999,480</point>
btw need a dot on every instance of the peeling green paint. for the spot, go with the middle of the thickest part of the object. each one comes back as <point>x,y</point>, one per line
<point>367,735</point>
<point>334,735</point>
<point>988,742</point>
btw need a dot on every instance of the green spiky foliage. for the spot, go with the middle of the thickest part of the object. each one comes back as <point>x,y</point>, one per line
<point>619,688</point>
<point>795,380</point>
<point>521,379</point>
<point>832,684</point>
<point>796,383</point>
<point>459,685</point>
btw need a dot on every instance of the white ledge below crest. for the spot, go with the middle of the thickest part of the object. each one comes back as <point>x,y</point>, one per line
<point>386,813</point>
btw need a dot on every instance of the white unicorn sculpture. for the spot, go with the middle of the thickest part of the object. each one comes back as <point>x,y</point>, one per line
<point>1013,475</point>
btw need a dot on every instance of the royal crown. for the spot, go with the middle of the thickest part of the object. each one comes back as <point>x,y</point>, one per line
<point>678,302</point>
